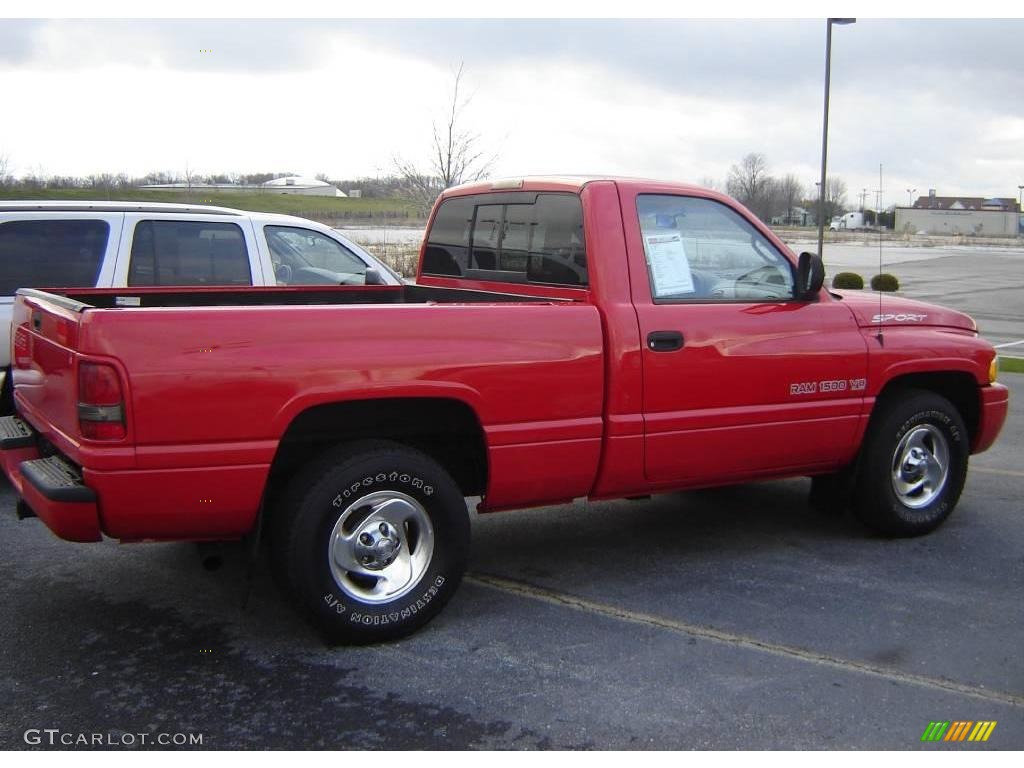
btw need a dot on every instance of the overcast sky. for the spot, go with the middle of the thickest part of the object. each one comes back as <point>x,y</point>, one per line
<point>938,103</point>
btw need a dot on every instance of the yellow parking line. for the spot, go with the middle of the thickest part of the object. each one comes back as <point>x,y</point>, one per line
<point>541,594</point>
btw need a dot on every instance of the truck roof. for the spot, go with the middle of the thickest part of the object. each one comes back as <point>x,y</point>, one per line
<point>561,182</point>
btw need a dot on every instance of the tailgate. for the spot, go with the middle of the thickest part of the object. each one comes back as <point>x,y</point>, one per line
<point>45,332</point>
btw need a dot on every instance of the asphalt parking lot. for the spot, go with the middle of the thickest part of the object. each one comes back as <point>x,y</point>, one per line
<point>733,618</point>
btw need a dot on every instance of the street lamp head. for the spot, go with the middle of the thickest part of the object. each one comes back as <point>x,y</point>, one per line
<point>842,21</point>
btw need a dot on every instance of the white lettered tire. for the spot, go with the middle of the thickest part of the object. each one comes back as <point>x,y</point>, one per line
<point>372,541</point>
<point>913,465</point>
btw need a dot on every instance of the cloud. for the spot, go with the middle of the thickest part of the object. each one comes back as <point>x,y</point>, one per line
<point>174,44</point>
<point>937,102</point>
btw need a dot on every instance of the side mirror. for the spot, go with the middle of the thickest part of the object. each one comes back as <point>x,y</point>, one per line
<point>372,277</point>
<point>810,276</point>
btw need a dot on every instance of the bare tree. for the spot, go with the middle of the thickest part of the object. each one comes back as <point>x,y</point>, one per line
<point>5,165</point>
<point>190,177</point>
<point>106,182</point>
<point>749,181</point>
<point>457,154</point>
<point>790,192</point>
<point>835,197</point>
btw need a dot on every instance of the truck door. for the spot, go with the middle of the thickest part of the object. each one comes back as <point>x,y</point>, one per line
<point>740,379</point>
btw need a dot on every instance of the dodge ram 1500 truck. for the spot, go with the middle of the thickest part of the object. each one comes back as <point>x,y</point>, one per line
<point>565,338</point>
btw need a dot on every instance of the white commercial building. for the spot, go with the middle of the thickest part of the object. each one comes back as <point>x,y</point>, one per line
<point>957,222</point>
<point>979,216</point>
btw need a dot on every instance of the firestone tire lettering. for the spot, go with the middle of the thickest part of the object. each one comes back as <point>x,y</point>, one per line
<point>875,501</point>
<point>314,502</point>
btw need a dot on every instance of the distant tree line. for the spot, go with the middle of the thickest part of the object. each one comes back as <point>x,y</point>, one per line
<point>389,187</point>
<point>106,181</point>
<point>773,198</point>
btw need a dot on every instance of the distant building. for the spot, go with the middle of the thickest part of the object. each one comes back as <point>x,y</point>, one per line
<point>297,185</point>
<point>286,185</point>
<point>934,202</point>
<point>797,216</point>
<point>961,215</point>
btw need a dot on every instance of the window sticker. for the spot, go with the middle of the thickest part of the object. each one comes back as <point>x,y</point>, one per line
<point>670,269</point>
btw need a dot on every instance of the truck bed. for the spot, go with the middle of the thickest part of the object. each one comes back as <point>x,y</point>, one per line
<point>213,379</point>
<point>79,299</point>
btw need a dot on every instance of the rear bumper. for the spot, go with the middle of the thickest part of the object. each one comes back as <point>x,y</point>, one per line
<point>51,487</point>
<point>192,503</point>
<point>995,402</point>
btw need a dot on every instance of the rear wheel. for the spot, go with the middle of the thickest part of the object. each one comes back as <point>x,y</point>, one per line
<point>372,542</point>
<point>914,464</point>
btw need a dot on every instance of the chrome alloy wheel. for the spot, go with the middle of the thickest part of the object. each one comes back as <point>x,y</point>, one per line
<point>380,547</point>
<point>920,466</point>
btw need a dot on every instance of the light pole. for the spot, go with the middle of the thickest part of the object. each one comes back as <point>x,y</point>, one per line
<point>1020,199</point>
<point>824,129</point>
<point>910,197</point>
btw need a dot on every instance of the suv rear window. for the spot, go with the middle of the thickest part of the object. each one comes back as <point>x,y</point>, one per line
<point>519,237</point>
<point>188,253</point>
<point>64,253</point>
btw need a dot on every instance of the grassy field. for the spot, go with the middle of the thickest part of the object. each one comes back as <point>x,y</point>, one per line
<point>1011,364</point>
<point>328,210</point>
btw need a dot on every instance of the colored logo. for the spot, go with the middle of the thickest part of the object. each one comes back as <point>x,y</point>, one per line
<point>959,730</point>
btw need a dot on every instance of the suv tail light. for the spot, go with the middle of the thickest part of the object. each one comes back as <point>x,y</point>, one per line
<point>100,402</point>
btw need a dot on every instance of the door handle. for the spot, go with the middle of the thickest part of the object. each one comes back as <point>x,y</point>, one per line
<point>664,341</point>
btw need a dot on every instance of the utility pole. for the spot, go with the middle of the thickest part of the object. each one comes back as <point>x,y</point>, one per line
<point>824,129</point>
<point>878,205</point>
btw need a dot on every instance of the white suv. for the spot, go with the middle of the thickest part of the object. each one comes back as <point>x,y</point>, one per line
<point>68,244</point>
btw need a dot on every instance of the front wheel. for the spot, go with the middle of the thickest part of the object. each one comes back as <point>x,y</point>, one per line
<point>373,541</point>
<point>914,464</point>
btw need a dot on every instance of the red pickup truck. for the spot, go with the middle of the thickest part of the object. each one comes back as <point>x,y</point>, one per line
<point>565,338</point>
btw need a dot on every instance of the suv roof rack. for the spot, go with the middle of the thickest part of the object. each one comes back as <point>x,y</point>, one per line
<point>108,206</point>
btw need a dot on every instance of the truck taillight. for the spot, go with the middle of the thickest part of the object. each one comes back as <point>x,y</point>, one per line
<point>100,402</point>
<point>22,348</point>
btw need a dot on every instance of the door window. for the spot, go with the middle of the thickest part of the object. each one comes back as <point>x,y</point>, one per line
<point>702,250</point>
<point>188,253</point>
<point>306,257</point>
<point>62,253</point>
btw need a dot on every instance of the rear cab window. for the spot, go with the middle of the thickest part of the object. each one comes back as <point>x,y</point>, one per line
<point>519,237</point>
<point>54,253</point>
<point>171,252</point>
